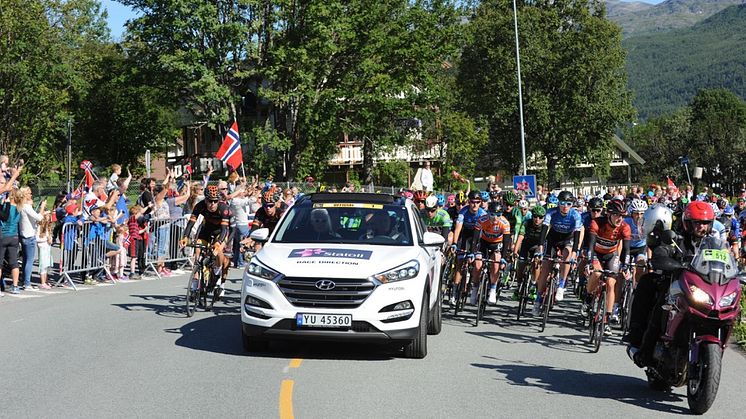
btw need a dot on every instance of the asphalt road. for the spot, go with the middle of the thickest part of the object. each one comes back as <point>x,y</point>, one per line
<point>127,350</point>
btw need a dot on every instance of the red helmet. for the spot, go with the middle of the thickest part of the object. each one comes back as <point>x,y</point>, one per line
<point>698,211</point>
<point>420,196</point>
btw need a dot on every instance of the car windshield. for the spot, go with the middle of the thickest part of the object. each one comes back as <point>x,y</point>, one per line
<point>349,223</point>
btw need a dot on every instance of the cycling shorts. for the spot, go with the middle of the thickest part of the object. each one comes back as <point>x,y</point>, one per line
<point>528,250</point>
<point>553,247</point>
<point>486,247</point>
<point>609,261</point>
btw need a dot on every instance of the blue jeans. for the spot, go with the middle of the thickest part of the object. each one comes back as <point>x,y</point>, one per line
<point>240,232</point>
<point>29,254</point>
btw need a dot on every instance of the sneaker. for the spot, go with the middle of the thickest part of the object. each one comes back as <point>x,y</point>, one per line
<point>452,301</point>
<point>607,330</point>
<point>560,295</point>
<point>135,276</point>
<point>15,290</point>
<point>584,307</point>
<point>615,314</point>
<point>473,297</point>
<point>88,281</point>
<point>122,277</point>
<point>222,290</point>
<point>492,298</point>
<point>45,286</point>
<point>536,310</point>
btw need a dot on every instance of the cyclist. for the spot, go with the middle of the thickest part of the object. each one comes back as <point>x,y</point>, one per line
<point>215,228</point>
<point>485,196</point>
<point>491,238</point>
<point>561,233</point>
<point>638,247</point>
<point>269,214</point>
<point>419,199</point>
<point>552,201</point>
<point>464,231</point>
<point>458,202</point>
<point>732,229</point>
<point>436,219</point>
<point>527,244</point>
<point>607,233</point>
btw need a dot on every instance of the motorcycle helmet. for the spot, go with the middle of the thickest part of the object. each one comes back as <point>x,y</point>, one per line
<point>655,215</point>
<point>698,211</point>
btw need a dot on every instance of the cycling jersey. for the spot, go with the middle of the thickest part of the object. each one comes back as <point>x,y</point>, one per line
<point>264,220</point>
<point>492,232</point>
<point>531,233</point>
<point>469,220</point>
<point>516,218</point>
<point>732,228</point>
<point>440,223</point>
<point>214,222</point>
<point>718,230</point>
<point>453,213</point>
<point>561,227</point>
<point>638,238</point>
<point>608,237</point>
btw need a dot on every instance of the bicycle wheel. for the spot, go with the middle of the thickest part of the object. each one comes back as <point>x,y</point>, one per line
<point>627,295</point>
<point>481,296</point>
<point>546,303</point>
<point>600,319</point>
<point>191,295</point>
<point>460,292</point>
<point>522,297</point>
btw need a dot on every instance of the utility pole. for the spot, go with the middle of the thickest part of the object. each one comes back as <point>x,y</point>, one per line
<point>520,89</point>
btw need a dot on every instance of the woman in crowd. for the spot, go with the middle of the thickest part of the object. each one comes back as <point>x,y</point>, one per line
<point>29,223</point>
<point>10,218</point>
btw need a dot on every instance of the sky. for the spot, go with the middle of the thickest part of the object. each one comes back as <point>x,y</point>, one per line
<point>118,14</point>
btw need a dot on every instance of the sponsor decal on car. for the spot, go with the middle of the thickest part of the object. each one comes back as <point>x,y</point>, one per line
<point>347,205</point>
<point>330,253</point>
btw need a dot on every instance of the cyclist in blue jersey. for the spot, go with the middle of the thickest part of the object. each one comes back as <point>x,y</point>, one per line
<point>561,233</point>
<point>638,245</point>
<point>463,233</point>
<point>732,229</point>
<point>718,229</point>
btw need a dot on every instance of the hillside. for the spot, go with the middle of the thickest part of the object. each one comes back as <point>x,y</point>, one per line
<point>641,18</point>
<point>666,70</point>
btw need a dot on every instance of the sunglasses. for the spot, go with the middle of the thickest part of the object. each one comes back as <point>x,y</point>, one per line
<point>596,210</point>
<point>475,202</point>
<point>431,210</point>
<point>212,201</point>
<point>537,217</point>
<point>495,214</point>
<point>565,203</point>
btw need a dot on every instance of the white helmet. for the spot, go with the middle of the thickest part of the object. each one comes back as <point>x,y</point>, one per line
<point>638,205</point>
<point>522,203</point>
<point>431,201</point>
<point>653,215</point>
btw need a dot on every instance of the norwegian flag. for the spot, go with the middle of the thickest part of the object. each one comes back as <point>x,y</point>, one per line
<point>671,184</point>
<point>76,194</point>
<point>126,241</point>
<point>86,165</point>
<point>230,151</point>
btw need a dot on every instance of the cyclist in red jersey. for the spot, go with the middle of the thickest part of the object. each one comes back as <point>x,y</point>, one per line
<point>491,233</point>
<point>607,235</point>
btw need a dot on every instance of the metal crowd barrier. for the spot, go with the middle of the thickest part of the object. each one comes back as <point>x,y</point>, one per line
<point>83,248</point>
<point>163,243</point>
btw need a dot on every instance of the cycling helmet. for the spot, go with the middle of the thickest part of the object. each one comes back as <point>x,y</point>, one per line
<point>684,200</point>
<point>715,209</point>
<point>451,199</point>
<point>654,215</point>
<point>698,211</point>
<point>212,193</point>
<point>441,200</point>
<point>495,207</point>
<point>485,196</point>
<point>420,196</point>
<point>494,194</point>
<point>607,197</point>
<point>552,200</point>
<point>619,197</point>
<point>728,210</point>
<point>523,204</point>
<point>474,195</point>
<point>509,198</point>
<point>566,196</point>
<point>431,202</point>
<point>722,202</point>
<point>538,211</point>
<point>615,206</point>
<point>596,203</point>
<point>638,205</point>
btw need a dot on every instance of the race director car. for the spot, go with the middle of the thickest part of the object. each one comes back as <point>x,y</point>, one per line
<point>345,267</point>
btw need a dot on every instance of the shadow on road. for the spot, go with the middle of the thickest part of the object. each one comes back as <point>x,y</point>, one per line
<point>591,385</point>
<point>174,305</point>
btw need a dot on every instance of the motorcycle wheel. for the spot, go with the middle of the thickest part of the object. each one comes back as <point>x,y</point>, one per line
<point>704,378</point>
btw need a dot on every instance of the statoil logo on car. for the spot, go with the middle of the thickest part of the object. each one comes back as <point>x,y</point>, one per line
<point>331,253</point>
<point>325,285</point>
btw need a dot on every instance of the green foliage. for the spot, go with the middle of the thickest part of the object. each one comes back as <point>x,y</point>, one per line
<point>464,140</point>
<point>574,83</point>
<point>642,19</point>
<point>661,140</point>
<point>666,70</point>
<point>393,173</point>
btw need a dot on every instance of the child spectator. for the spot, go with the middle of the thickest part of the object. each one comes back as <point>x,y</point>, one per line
<point>138,226</point>
<point>4,167</point>
<point>119,261</point>
<point>116,170</point>
<point>44,241</point>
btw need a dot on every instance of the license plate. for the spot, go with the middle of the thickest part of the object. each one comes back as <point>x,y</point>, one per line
<point>323,320</point>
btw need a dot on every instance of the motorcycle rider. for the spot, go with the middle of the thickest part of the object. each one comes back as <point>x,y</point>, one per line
<point>646,311</point>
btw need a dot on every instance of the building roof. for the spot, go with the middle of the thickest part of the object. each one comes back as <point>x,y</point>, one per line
<point>627,149</point>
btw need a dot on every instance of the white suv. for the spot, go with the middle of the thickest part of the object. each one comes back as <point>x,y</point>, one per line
<point>345,266</point>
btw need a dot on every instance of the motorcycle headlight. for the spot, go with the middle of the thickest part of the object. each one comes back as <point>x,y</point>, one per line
<point>728,300</point>
<point>700,296</point>
<point>260,271</point>
<point>407,271</point>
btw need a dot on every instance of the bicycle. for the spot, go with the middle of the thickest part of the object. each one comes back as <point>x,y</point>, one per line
<point>597,313</point>
<point>463,289</point>
<point>482,291</point>
<point>205,281</point>
<point>507,278</point>
<point>446,278</point>
<point>524,288</point>
<point>625,305</point>
<point>547,301</point>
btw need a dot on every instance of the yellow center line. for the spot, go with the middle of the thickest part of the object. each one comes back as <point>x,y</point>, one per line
<point>295,362</point>
<point>286,399</point>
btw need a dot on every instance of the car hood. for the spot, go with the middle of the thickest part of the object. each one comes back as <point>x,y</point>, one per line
<point>334,260</point>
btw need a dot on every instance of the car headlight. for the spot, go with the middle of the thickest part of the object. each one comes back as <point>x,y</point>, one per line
<point>700,296</point>
<point>407,271</point>
<point>260,271</point>
<point>729,299</point>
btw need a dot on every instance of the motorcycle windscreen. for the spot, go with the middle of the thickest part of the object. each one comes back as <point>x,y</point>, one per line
<point>714,262</point>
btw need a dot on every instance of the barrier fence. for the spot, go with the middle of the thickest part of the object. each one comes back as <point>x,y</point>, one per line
<point>88,248</point>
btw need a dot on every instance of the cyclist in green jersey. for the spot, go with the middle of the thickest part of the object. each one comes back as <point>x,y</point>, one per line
<point>437,219</point>
<point>529,240</point>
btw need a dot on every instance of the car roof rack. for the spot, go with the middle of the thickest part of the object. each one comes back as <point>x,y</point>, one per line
<point>374,198</point>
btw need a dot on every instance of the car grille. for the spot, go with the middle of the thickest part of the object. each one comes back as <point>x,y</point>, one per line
<point>347,293</point>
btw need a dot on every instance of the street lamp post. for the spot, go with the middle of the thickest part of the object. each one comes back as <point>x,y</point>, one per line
<point>520,90</point>
<point>69,154</point>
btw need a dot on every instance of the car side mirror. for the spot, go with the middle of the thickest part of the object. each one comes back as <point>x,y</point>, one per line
<point>668,237</point>
<point>432,239</point>
<point>260,235</point>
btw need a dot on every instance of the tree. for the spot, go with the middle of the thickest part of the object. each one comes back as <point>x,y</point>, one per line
<point>661,140</point>
<point>572,67</point>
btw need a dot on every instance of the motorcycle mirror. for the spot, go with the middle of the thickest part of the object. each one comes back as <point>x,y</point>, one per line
<point>667,264</point>
<point>668,237</point>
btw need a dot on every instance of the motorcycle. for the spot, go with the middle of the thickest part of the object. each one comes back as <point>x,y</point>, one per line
<point>699,312</point>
